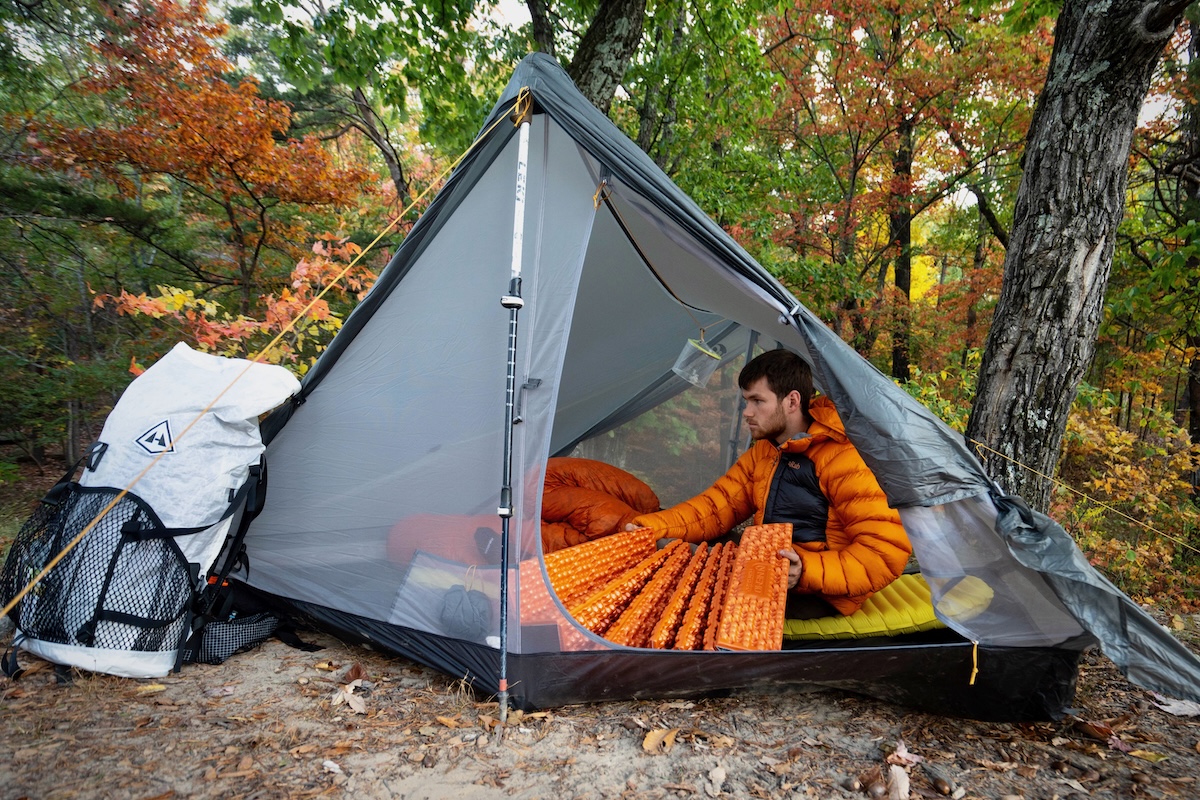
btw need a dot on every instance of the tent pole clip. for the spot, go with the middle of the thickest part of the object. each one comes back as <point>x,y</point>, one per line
<point>532,383</point>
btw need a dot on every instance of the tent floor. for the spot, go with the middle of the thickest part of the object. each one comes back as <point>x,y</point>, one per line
<point>935,671</point>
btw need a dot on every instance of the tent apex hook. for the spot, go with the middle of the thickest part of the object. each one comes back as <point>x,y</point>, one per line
<point>523,109</point>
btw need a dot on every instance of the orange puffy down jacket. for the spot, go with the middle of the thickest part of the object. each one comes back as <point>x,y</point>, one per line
<point>585,499</point>
<point>865,546</point>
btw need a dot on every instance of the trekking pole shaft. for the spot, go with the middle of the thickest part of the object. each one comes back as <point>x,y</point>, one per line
<point>513,302</point>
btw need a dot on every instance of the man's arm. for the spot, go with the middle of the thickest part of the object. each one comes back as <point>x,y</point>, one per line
<point>714,511</point>
<point>867,545</point>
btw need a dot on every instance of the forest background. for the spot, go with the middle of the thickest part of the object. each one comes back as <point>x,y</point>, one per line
<point>237,174</point>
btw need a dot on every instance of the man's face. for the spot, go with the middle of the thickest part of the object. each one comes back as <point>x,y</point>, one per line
<point>764,412</point>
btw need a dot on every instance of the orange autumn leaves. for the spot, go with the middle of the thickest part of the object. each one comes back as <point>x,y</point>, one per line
<point>299,310</point>
<point>171,108</point>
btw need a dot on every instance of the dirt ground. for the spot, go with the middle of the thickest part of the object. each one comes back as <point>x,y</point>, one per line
<point>346,722</point>
<point>349,722</point>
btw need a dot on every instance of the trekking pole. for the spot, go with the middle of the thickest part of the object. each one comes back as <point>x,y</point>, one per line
<point>513,302</point>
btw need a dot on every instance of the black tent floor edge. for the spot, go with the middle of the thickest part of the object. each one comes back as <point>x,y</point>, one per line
<point>930,674</point>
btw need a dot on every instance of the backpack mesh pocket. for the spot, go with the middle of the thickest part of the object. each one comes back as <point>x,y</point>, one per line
<point>224,638</point>
<point>124,586</point>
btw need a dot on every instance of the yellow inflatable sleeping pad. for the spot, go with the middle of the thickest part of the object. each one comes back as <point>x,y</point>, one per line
<point>903,606</point>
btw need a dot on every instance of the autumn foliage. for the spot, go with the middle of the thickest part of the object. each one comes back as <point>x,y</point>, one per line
<point>296,323</point>
<point>168,118</point>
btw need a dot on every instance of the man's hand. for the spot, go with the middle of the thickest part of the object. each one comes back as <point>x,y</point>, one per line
<point>795,569</point>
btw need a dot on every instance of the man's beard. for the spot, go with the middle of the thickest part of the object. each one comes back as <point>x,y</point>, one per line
<point>773,428</point>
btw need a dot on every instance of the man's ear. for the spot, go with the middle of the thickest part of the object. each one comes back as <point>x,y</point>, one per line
<point>793,400</point>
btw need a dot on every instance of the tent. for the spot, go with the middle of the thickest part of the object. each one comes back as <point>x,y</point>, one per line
<point>537,309</point>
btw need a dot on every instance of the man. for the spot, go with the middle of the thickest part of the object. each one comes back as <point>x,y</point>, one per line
<point>846,541</point>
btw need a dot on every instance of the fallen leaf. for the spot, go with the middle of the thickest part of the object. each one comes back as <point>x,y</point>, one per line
<point>449,722</point>
<point>151,688</point>
<point>1147,755</point>
<point>897,783</point>
<point>716,778</point>
<point>302,749</point>
<point>660,741</point>
<point>1095,730</point>
<point>488,722</point>
<point>326,666</point>
<point>902,757</point>
<point>713,739</point>
<point>1180,708</point>
<point>1115,743</point>
<point>345,694</point>
<point>681,704</point>
<point>355,673</point>
<point>871,777</point>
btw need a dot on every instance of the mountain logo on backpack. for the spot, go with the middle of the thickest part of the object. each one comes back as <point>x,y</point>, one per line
<point>158,439</point>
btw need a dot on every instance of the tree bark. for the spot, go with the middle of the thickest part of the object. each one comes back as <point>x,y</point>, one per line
<point>1057,265</point>
<point>543,26</point>
<point>605,50</point>
<point>374,129</point>
<point>1189,199</point>
<point>900,222</point>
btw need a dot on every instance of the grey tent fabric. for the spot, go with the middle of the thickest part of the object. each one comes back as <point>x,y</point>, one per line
<point>1143,650</point>
<point>386,468</point>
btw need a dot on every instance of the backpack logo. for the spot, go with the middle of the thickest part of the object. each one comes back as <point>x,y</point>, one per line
<point>158,439</point>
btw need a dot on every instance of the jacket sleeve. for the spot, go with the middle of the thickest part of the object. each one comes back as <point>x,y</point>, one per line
<point>867,545</point>
<point>714,511</point>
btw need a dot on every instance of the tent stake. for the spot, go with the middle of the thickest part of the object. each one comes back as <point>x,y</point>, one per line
<point>513,302</point>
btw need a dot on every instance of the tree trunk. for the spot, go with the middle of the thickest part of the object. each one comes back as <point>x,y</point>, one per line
<point>543,26</point>
<point>1056,268</point>
<point>900,223</point>
<point>1189,200</point>
<point>374,129</point>
<point>604,52</point>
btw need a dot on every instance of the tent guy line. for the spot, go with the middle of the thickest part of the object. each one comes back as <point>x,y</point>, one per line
<point>980,446</point>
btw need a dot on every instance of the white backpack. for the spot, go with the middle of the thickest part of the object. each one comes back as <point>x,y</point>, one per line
<point>132,597</point>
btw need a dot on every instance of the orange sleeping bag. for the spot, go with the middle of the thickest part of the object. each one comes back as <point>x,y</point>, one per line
<point>585,499</point>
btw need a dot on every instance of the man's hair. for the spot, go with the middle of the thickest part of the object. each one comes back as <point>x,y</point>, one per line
<point>785,372</point>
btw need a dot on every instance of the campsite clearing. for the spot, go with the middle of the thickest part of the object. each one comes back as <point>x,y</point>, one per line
<point>349,722</point>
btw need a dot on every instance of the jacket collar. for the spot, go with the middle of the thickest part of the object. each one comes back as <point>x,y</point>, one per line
<point>826,424</point>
